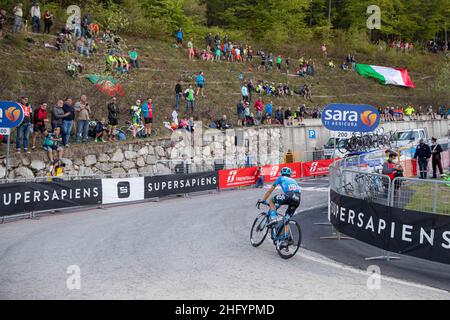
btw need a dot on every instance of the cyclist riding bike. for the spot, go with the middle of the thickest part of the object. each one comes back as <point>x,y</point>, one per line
<point>291,196</point>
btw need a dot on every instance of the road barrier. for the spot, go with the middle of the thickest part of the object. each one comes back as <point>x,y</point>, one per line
<point>406,216</point>
<point>30,197</point>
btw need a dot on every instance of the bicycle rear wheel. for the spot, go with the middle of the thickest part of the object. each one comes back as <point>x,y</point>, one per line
<point>259,230</point>
<point>291,235</point>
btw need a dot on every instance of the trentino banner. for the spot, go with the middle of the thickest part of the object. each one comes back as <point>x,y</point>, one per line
<point>418,234</point>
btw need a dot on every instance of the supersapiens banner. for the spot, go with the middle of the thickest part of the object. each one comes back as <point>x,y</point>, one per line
<point>418,234</point>
<point>159,186</point>
<point>22,197</point>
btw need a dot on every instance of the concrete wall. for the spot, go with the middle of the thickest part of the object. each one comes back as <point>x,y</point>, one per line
<point>203,150</point>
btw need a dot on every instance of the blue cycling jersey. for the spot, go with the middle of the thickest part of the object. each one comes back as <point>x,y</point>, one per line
<point>287,184</point>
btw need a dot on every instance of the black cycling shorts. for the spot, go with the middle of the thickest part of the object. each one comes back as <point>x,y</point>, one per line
<point>113,122</point>
<point>148,120</point>
<point>40,127</point>
<point>291,199</point>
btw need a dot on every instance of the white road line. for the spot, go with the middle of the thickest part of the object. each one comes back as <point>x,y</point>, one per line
<point>306,254</point>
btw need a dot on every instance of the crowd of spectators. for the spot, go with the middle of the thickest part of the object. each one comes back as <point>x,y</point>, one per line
<point>266,114</point>
<point>438,45</point>
<point>400,113</point>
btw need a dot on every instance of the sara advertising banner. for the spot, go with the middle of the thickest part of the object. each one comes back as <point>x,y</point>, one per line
<point>18,198</point>
<point>317,168</point>
<point>159,186</point>
<point>122,190</point>
<point>350,117</point>
<point>11,114</point>
<point>419,234</point>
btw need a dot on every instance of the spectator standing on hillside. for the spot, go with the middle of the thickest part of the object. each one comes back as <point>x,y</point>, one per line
<point>251,89</point>
<point>431,113</point>
<point>191,53</point>
<point>178,94</point>
<point>83,110</point>
<point>179,37</point>
<point>423,154</point>
<point>200,83</point>
<point>68,121</point>
<point>3,21</point>
<point>35,13</point>
<point>279,60</point>
<point>247,114</point>
<point>18,17</point>
<point>39,123</point>
<point>136,113</point>
<point>95,29</point>
<point>134,58</point>
<point>442,112</point>
<point>190,99</point>
<point>244,92</point>
<point>323,49</point>
<point>58,114</point>
<point>269,109</point>
<point>208,40</point>
<point>23,130</point>
<point>302,113</point>
<point>113,118</point>
<point>436,159</point>
<point>85,22</point>
<point>147,113</point>
<point>48,21</point>
<point>259,110</point>
<point>240,112</point>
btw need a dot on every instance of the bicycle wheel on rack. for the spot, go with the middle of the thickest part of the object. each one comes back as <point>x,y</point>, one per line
<point>154,132</point>
<point>291,234</point>
<point>259,230</point>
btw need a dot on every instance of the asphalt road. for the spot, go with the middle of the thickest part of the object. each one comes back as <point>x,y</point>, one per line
<point>196,248</point>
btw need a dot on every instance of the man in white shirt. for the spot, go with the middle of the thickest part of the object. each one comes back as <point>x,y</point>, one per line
<point>36,17</point>
<point>18,15</point>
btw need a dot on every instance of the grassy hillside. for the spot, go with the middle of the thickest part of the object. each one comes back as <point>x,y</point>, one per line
<point>29,68</point>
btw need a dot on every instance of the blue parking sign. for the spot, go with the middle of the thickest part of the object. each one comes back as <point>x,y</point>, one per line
<point>312,134</point>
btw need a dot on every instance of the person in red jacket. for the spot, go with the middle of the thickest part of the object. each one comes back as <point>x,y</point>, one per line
<point>259,106</point>
<point>39,123</point>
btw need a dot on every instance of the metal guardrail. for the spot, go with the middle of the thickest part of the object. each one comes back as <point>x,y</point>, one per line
<point>350,177</point>
<point>431,196</point>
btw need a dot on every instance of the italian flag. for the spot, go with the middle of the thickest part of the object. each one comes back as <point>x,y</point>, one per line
<point>107,85</point>
<point>386,75</point>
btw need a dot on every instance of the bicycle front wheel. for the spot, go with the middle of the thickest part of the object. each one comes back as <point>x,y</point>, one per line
<point>259,230</point>
<point>289,239</point>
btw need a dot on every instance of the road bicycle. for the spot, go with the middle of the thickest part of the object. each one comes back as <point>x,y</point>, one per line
<point>140,131</point>
<point>348,189</point>
<point>371,186</point>
<point>366,142</point>
<point>286,234</point>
